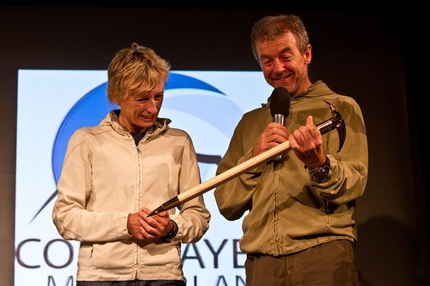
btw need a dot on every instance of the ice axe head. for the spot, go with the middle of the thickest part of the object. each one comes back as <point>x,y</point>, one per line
<point>336,122</point>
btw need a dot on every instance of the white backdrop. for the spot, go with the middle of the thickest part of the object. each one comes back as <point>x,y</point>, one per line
<point>206,104</point>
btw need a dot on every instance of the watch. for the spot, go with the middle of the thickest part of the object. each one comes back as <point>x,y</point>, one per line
<point>172,233</point>
<point>321,174</point>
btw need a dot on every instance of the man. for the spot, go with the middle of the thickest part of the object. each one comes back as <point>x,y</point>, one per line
<point>298,228</point>
<point>115,173</point>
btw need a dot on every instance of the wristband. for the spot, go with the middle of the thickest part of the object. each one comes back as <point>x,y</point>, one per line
<point>172,233</point>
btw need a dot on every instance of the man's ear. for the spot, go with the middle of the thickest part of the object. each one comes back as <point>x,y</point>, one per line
<point>308,54</point>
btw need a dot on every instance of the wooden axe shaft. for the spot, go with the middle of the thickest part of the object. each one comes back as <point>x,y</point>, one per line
<point>324,127</point>
<point>223,177</point>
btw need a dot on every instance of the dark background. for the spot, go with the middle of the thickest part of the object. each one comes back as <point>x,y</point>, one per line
<point>368,51</point>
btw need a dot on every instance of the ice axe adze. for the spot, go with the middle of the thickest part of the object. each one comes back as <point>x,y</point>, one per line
<point>336,122</point>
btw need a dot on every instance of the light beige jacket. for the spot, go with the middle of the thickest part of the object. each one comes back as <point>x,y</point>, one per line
<point>105,177</point>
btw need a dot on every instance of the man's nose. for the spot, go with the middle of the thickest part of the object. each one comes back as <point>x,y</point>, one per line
<point>278,66</point>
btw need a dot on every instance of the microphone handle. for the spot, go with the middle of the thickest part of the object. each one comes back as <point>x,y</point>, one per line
<point>279,118</point>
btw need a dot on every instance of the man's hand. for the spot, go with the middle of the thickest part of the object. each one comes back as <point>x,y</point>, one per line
<point>307,144</point>
<point>274,135</point>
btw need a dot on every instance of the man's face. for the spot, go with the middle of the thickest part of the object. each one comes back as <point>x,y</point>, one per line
<point>140,109</point>
<point>283,64</point>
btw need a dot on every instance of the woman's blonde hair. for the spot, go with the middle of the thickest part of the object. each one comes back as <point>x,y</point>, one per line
<point>132,66</point>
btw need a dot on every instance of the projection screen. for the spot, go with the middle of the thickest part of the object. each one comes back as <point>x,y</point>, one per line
<point>54,103</point>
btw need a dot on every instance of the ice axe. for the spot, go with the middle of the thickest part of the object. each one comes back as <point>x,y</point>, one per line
<point>336,122</point>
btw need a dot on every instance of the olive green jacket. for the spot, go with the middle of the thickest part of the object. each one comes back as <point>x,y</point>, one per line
<point>286,211</point>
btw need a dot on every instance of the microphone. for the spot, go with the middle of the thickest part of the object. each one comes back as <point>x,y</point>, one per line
<point>280,108</point>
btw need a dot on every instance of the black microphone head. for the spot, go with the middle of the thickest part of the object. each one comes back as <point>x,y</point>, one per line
<point>280,102</point>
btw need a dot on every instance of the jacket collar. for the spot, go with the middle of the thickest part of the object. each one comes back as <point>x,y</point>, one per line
<point>160,124</point>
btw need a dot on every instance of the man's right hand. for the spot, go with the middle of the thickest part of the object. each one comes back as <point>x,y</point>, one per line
<point>274,135</point>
